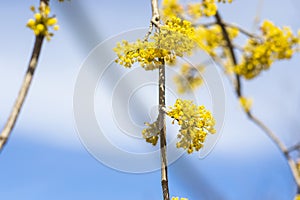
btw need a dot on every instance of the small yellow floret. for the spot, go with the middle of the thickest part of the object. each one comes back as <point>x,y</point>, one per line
<point>38,16</point>
<point>51,21</point>
<point>42,21</point>
<point>246,103</point>
<point>56,27</point>
<point>40,27</point>
<point>31,23</point>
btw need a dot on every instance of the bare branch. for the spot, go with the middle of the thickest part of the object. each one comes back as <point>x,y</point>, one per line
<point>206,25</point>
<point>279,144</point>
<point>294,148</point>
<point>149,32</point>
<point>162,104</point>
<point>10,124</point>
<point>163,134</point>
<point>238,47</point>
<point>22,93</point>
<point>260,124</point>
<point>220,22</point>
<point>245,32</point>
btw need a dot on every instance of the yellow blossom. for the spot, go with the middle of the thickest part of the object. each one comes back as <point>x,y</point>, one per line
<point>195,123</point>
<point>205,8</point>
<point>38,16</point>
<point>56,27</point>
<point>151,133</point>
<point>246,103</point>
<point>259,53</point>
<point>31,23</point>
<point>42,22</point>
<point>51,21</point>
<point>171,8</point>
<point>211,39</point>
<point>189,78</point>
<point>194,10</point>
<point>175,38</point>
<point>146,53</point>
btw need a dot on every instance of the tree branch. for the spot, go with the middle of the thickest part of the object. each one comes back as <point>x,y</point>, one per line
<point>294,148</point>
<point>162,104</point>
<point>255,120</point>
<point>155,13</point>
<point>162,127</point>
<point>245,32</point>
<point>10,123</point>
<point>230,47</point>
<point>280,145</point>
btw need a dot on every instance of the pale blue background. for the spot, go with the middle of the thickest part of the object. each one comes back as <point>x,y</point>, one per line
<point>44,158</point>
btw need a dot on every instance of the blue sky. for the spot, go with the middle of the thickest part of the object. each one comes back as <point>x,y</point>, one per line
<point>44,158</point>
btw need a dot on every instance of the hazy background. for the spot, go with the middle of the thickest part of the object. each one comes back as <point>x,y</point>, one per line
<point>44,158</point>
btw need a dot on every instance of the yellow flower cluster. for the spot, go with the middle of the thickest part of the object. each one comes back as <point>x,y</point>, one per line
<point>171,8</point>
<point>189,78</point>
<point>205,8</point>
<point>246,103</point>
<point>146,53</point>
<point>151,133</point>
<point>194,10</point>
<point>210,39</point>
<point>176,36</point>
<point>276,44</point>
<point>173,39</point>
<point>195,123</point>
<point>41,22</point>
<point>177,198</point>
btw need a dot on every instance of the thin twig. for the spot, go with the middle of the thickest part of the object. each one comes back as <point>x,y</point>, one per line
<point>257,17</point>
<point>294,148</point>
<point>238,47</point>
<point>279,144</point>
<point>271,135</point>
<point>10,124</point>
<point>206,25</point>
<point>148,32</point>
<point>245,32</point>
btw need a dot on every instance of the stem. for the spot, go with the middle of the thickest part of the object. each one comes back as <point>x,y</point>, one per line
<point>10,123</point>
<point>294,148</point>
<point>155,13</point>
<point>280,146</point>
<point>220,22</point>
<point>255,120</point>
<point>245,32</point>
<point>162,104</point>
<point>6,132</point>
<point>162,126</point>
